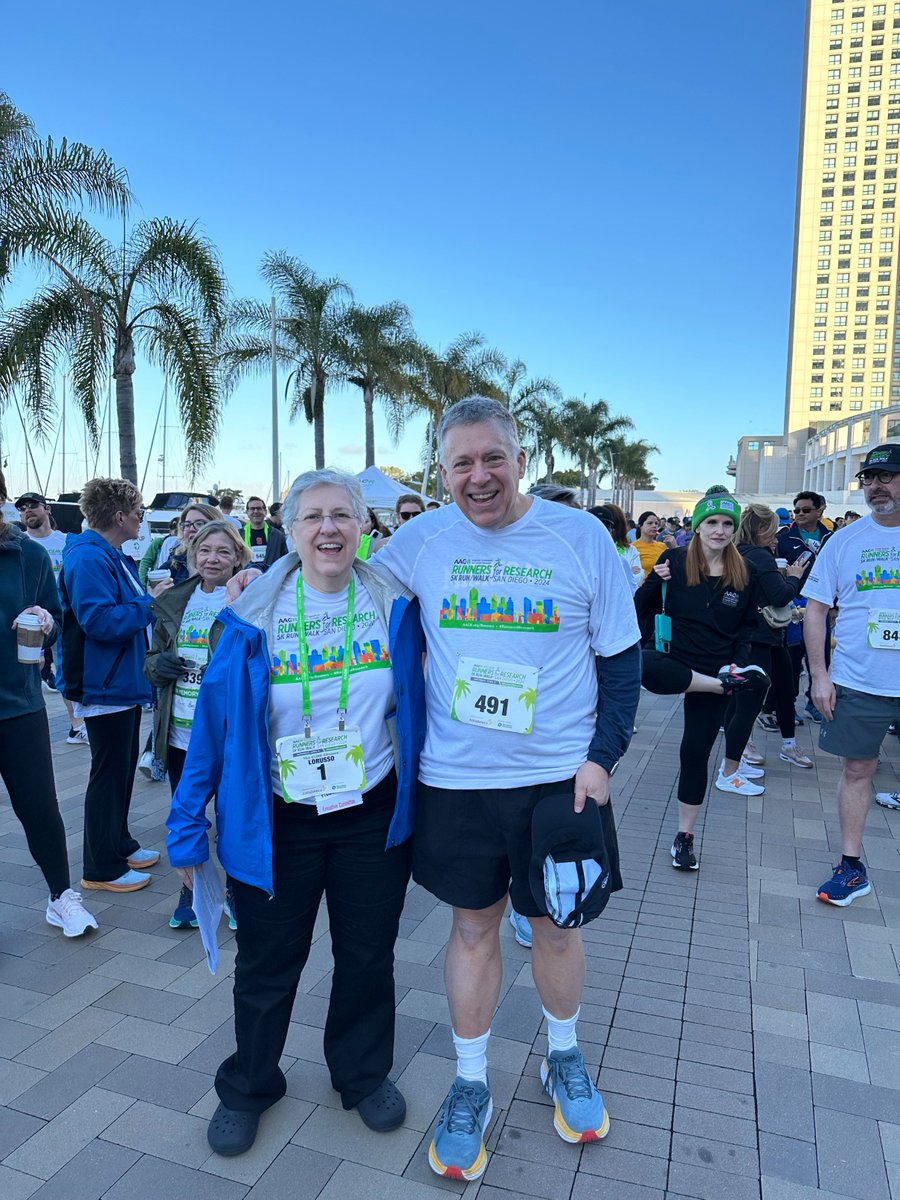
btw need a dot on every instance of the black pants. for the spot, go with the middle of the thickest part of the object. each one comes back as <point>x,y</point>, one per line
<point>343,855</point>
<point>704,713</point>
<point>26,767</point>
<point>115,744</point>
<point>175,765</point>
<point>776,663</point>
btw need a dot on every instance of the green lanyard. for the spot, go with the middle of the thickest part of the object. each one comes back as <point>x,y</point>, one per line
<point>248,529</point>
<point>304,655</point>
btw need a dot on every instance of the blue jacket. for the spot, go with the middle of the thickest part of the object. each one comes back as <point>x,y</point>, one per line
<point>229,753</point>
<point>104,624</point>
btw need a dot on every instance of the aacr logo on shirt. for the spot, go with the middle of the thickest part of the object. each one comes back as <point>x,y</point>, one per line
<point>730,598</point>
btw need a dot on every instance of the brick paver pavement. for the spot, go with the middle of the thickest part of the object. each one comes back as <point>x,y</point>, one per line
<point>748,1037</point>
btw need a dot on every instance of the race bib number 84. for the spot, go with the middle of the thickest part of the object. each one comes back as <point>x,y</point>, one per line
<point>883,629</point>
<point>495,695</point>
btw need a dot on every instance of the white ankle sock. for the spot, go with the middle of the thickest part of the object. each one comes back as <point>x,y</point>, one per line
<point>471,1056</point>
<point>789,743</point>
<point>561,1031</point>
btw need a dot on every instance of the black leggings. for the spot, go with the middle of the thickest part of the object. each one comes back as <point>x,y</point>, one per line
<point>26,767</point>
<point>115,744</point>
<point>704,713</point>
<point>776,663</point>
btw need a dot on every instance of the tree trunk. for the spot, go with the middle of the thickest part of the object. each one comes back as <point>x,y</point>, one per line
<point>548,461</point>
<point>369,406</point>
<point>123,370</point>
<point>426,470</point>
<point>592,487</point>
<point>318,400</point>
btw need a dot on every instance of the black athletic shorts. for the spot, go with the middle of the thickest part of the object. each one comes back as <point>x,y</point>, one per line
<point>472,847</point>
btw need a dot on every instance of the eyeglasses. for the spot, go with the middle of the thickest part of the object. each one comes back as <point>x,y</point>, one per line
<point>194,524</point>
<point>803,511</point>
<point>135,512</point>
<point>255,512</point>
<point>867,478</point>
<point>405,516</point>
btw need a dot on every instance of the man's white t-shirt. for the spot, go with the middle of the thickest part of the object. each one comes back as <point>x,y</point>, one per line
<point>193,645</point>
<point>858,569</point>
<point>546,592</point>
<point>371,696</point>
<point>54,544</point>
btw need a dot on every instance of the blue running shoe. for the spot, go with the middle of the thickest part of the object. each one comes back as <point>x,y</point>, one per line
<point>522,926</point>
<point>183,917</point>
<point>457,1148</point>
<point>580,1114</point>
<point>845,885</point>
<point>814,713</point>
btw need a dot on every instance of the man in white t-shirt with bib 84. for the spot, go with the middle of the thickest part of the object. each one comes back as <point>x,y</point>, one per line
<point>532,686</point>
<point>858,569</point>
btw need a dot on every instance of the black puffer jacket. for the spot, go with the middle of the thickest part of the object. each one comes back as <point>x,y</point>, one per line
<point>773,588</point>
<point>26,578</point>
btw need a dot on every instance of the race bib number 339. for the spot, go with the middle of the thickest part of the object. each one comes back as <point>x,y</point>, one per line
<point>495,695</point>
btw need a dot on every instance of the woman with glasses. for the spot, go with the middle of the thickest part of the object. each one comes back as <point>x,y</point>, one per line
<point>106,625</point>
<point>180,651</point>
<point>192,520</point>
<point>308,729</point>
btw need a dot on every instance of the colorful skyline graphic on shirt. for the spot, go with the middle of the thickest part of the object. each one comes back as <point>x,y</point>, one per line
<point>498,613</point>
<point>877,579</point>
<point>329,659</point>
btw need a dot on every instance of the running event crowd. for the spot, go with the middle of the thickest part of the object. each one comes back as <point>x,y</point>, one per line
<point>341,704</point>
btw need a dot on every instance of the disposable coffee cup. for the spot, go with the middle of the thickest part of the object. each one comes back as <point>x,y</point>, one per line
<point>29,638</point>
<point>155,577</point>
<point>781,563</point>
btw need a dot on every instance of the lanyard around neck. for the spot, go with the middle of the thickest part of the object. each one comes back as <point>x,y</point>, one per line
<point>249,530</point>
<point>304,654</point>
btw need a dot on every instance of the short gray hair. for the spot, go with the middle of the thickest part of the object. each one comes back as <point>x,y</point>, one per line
<point>311,479</point>
<point>476,410</point>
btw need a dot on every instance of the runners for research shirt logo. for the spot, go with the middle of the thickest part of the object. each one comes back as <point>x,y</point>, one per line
<point>880,568</point>
<point>494,602</point>
<point>325,638</point>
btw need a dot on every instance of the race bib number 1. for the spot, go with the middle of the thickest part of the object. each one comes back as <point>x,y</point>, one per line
<point>495,695</point>
<point>321,766</point>
<point>883,629</point>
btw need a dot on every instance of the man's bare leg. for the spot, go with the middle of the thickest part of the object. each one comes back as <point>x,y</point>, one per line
<point>473,968</point>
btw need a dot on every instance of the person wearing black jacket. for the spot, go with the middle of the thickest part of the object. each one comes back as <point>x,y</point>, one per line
<point>756,539</point>
<point>266,541</point>
<point>710,594</point>
<point>807,534</point>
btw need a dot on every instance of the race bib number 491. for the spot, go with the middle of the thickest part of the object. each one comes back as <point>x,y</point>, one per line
<point>495,695</point>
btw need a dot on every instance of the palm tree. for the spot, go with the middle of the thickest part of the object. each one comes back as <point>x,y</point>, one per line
<point>442,378</point>
<point>162,291</point>
<point>527,400</point>
<point>379,352</point>
<point>528,698</point>
<point>309,336</point>
<point>461,687</point>
<point>587,429</point>
<point>542,429</point>
<point>39,182</point>
<point>630,471</point>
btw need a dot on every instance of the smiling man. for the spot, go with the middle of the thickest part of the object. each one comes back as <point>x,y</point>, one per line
<point>525,608</point>
<point>266,541</point>
<point>858,570</point>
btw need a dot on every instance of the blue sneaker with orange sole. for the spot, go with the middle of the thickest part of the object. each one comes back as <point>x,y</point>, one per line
<point>845,885</point>
<point>457,1148</point>
<point>580,1115</point>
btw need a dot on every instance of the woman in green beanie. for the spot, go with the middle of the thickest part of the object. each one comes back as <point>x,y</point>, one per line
<point>709,594</point>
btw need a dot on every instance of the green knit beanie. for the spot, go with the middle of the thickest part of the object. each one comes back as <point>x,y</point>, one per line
<point>716,502</point>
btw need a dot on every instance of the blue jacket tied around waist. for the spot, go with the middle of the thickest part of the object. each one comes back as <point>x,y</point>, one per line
<point>229,753</point>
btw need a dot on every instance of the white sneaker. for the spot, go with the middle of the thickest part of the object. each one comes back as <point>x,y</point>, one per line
<point>748,770</point>
<point>794,756</point>
<point>145,764</point>
<point>78,737</point>
<point>888,799</point>
<point>69,914</point>
<point>737,785</point>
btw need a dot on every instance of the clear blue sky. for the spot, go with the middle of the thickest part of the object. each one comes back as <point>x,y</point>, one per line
<point>605,190</point>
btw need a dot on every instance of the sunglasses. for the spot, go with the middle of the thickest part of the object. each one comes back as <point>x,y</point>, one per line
<point>803,511</point>
<point>404,516</point>
<point>869,477</point>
